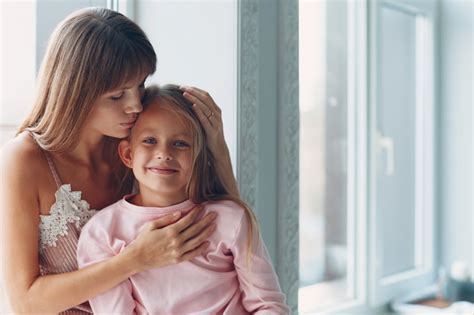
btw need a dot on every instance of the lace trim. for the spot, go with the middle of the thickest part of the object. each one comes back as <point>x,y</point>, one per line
<point>68,208</point>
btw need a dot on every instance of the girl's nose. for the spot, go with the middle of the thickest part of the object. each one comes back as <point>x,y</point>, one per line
<point>163,155</point>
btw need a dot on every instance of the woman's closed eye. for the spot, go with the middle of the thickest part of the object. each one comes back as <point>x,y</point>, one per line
<point>117,97</point>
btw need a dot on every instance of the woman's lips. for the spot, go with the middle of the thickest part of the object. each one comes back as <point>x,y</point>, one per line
<point>162,170</point>
<point>127,125</point>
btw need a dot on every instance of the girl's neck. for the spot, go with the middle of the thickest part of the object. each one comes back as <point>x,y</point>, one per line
<point>153,199</point>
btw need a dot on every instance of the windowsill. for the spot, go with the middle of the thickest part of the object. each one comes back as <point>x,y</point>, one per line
<point>321,296</point>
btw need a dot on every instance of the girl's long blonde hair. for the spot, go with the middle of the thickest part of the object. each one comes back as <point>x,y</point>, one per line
<point>204,183</point>
<point>91,52</point>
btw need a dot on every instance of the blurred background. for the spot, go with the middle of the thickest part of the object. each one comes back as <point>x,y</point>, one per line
<point>350,125</point>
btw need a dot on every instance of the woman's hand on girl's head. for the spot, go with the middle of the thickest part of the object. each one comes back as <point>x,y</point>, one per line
<point>210,116</point>
<point>171,240</point>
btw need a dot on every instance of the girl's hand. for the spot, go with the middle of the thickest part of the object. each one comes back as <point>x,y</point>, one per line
<point>169,241</point>
<point>210,116</point>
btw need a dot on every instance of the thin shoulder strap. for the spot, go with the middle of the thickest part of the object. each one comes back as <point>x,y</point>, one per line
<point>53,169</point>
<point>57,180</point>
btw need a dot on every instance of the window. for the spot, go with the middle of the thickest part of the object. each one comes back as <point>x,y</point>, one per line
<point>366,152</point>
<point>327,259</point>
<point>18,63</point>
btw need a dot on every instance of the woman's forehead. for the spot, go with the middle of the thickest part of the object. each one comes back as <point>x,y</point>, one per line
<point>132,81</point>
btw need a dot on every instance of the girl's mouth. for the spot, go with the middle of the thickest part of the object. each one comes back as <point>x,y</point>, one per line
<point>162,170</point>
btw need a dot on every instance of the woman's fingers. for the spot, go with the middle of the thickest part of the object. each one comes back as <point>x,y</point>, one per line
<point>209,115</point>
<point>206,106</point>
<point>163,221</point>
<point>203,96</point>
<point>200,239</point>
<point>197,227</point>
<point>164,241</point>
<point>195,252</point>
<point>187,220</point>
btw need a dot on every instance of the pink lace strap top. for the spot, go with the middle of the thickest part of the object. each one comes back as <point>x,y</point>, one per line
<point>59,232</point>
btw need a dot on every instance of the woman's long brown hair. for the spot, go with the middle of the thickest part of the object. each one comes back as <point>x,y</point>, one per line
<point>91,52</point>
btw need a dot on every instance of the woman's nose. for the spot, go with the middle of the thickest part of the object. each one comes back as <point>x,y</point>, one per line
<point>134,106</point>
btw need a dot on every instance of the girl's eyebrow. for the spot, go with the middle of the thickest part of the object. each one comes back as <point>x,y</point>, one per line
<point>179,134</point>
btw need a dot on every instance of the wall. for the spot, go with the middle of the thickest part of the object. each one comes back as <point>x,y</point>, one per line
<point>204,55</point>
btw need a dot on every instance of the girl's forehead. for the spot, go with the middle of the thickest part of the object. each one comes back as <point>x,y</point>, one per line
<point>157,117</point>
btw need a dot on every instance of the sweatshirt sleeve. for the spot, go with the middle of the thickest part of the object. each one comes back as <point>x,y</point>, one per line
<point>261,293</point>
<point>94,246</point>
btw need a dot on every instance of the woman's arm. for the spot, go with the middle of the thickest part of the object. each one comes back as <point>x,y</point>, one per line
<point>210,116</point>
<point>31,293</point>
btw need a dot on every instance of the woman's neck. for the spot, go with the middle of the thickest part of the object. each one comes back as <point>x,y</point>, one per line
<point>88,152</point>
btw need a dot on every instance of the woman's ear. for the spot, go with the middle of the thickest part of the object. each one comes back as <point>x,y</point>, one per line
<point>125,153</point>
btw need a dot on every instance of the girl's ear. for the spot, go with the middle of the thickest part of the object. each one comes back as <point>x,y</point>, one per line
<point>125,153</point>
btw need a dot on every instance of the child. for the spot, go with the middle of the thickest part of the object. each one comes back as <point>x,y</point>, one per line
<point>168,155</point>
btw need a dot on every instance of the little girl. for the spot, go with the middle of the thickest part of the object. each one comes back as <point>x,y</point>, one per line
<point>169,158</point>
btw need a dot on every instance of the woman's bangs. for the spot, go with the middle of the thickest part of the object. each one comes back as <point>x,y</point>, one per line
<point>130,63</point>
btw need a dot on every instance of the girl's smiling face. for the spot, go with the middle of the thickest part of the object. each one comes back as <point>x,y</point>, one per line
<point>160,154</point>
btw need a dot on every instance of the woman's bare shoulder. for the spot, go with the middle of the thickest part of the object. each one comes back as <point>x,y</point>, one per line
<point>22,160</point>
<point>21,151</point>
<point>21,174</point>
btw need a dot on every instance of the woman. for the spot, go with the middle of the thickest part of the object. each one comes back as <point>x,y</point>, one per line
<point>63,163</point>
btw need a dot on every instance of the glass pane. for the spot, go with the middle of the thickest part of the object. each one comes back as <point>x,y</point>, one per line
<point>396,120</point>
<point>323,151</point>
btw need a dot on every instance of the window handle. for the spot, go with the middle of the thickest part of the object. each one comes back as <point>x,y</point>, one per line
<point>386,144</point>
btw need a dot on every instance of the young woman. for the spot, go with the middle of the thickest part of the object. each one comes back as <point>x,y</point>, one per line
<point>63,164</point>
<point>168,154</point>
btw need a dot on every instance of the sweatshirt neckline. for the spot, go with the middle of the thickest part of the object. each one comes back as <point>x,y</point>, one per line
<point>184,207</point>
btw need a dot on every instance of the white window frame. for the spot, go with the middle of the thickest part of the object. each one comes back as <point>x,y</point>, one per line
<point>384,289</point>
<point>371,291</point>
<point>126,7</point>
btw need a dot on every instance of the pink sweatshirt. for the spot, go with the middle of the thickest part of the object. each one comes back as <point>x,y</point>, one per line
<point>217,282</point>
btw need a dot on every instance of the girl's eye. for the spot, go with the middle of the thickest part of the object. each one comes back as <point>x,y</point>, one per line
<point>117,97</point>
<point>149,140</point>
<point>181,144</point>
